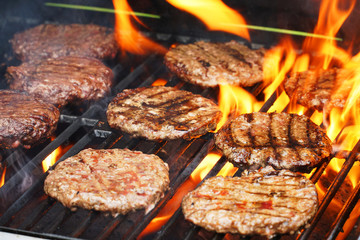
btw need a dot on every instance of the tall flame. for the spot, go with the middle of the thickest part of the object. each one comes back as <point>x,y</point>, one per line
<point>235,100</point>
<point>50,159</point>
<point>215,15</point>
<point>2,180</point>
<point>127,36</point>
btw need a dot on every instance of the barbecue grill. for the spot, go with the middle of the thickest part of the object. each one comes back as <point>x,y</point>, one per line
<point>25,210</point>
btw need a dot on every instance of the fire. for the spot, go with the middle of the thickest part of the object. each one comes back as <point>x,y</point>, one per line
<point>341,125</point>
<point>215,15</point>
<point>2,180</point>
<point>235,100</point>
<point>127,36</point>
<point>51,159</point>
<point>195,178</point>
<point>159,82</point>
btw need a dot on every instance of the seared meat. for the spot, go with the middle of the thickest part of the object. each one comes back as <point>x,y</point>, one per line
<point>211,64</point>
<point>282,140</point>
<point>25,120</point>
<point>261,203</point>
<point>162,113</point>
<point>51,41</point>
<point>62,80</point>
<point>113,180</point>
<point>320,89</point>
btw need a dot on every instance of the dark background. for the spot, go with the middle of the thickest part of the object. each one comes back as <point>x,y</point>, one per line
<point>18,15</point>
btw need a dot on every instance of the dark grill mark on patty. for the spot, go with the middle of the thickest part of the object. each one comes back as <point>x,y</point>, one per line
<point>211,64</point>
<point>237,141</point>
<point>162,113</point>
<point>281,202</point>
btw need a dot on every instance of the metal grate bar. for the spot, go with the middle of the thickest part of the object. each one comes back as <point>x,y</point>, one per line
<point>344,214</point>
<point>331,192</point>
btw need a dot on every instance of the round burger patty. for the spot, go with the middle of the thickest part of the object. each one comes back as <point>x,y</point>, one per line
<point>262,203</point>
<point>25,120</point>
<point>211,64</point>
<point>111,180</point>
<point>282,140</point>
<point>162,113</point>
<point>52,40</point>
<point>320,89</point>
<point>62,80</point>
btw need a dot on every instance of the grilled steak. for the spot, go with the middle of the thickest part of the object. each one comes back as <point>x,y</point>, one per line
<point>320,89</point>
<point>282,140</point>
<point>51,41</point>
<point>110,180</point>
<point>62,80</point>
<point>211,64</point>
<point>261,203</point>
<point>162,113</point>
<point>25,120</point>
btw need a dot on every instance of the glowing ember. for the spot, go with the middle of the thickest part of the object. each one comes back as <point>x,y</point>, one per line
<point>215,15</point>
<point>127,36</point>
<point>159,82</point>
<point>2,180</point>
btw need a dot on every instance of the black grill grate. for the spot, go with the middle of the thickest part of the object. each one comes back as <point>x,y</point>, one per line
<point>25,209</point>
<point>32,212</point>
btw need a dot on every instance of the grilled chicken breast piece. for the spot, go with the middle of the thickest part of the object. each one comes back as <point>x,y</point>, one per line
<point>160,112</point>
<point>281,140</point>
<point>63,80</point>
<point>111,180</point>
<point>24,120</point>
<point>322,89</point>
<point>56,40</point>
<point>211,64</point>
<point>265,202</point>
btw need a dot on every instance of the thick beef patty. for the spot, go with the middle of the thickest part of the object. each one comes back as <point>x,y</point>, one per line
<point>62,80</point>
<point>51,41</point>
<point>111,180</point>
<point>261,203</point>
<point>211,64</point>
<point>282,140</point>
<point>162,113</point>
<point>24,120</point>
<point>320,89</point>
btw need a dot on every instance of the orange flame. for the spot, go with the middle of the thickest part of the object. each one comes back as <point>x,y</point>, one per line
<point>341,124</point>
<point>2,180</point>
<point>127,36</point>
<point>235,100</point>
<point>195,178</point>
<point>51,159</point>
<point>215,15</point>
<point>159,82</point>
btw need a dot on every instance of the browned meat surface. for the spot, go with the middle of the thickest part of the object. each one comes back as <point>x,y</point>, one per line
<point>162,113</point>
<point>262,203</point>
<point>282,140</point>
<point>24,120</point>
<point>51,41</point>
<point>211,64</point>
<point>62,80</point>
<point>320,89</point>
<point>110,180</point>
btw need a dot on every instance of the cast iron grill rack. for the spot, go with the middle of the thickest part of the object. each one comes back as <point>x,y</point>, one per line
<point>27,210</point>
